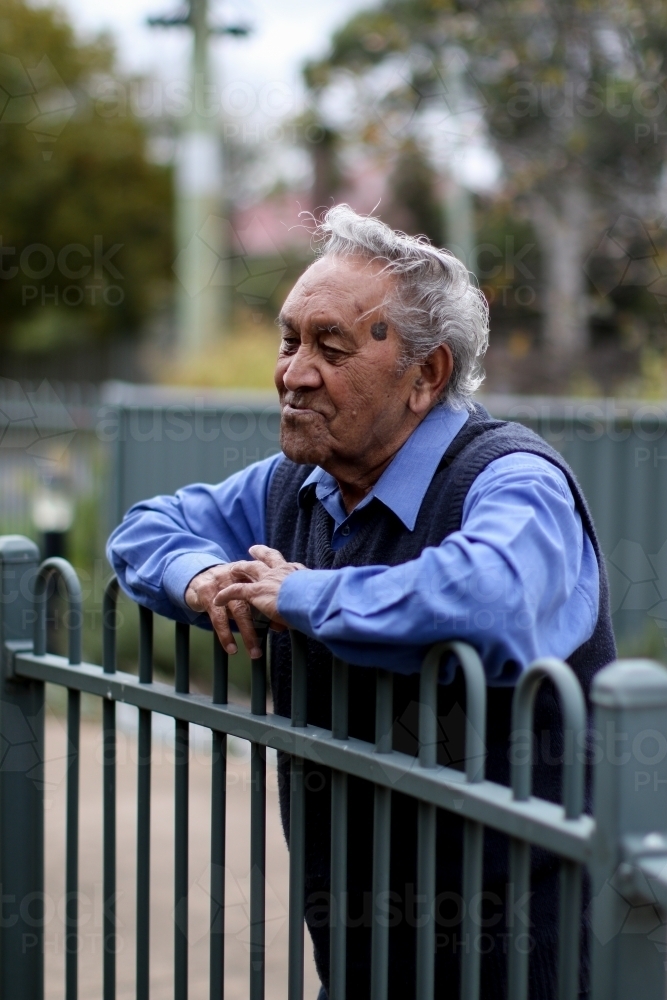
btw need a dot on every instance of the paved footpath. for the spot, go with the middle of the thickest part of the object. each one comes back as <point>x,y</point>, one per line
<point>238,839</point>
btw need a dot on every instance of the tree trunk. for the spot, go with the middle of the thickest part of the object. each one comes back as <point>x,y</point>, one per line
<point>561,228</point>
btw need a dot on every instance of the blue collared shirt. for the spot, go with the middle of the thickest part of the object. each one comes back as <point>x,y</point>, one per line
<point>403,484</point>
<point>518,580</point>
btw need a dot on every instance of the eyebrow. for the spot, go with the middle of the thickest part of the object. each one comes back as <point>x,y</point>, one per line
<point>334,328</point>
<point>285,323</point>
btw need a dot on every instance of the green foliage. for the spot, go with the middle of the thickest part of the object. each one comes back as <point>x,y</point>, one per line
<point>564,85</point>
<point>572,97</point>
<point>73,175</point>
<point>412,184</point>
<point>509,267</point>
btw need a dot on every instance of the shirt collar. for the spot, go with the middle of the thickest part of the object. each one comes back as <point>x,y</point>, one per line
<point>403,484</point>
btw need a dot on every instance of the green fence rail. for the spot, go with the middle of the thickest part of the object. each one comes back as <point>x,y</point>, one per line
<point>623,845</point>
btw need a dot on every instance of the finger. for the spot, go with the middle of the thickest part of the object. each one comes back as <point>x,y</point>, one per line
<point>270,557</point>
<point>243,617</point>
<point>247,572</point>
<point>220,622</point>
<point>235,592</point>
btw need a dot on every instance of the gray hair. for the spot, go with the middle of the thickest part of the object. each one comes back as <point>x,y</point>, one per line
<point>435,302</point>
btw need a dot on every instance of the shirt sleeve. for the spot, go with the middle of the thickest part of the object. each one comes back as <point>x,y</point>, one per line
<point>163,543</point>
<point>519,580</point>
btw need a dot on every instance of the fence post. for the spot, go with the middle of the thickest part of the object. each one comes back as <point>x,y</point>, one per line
<point>21,783</point>
<point>629,781</point>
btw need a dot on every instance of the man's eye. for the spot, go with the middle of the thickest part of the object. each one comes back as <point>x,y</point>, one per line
<point>332,353</point>
<point>290,345</point>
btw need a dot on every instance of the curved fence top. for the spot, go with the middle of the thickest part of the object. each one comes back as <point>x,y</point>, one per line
<point>573,708</point>
<point>61,569</point>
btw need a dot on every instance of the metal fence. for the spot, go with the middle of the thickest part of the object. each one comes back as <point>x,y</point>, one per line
<point>623,846</point>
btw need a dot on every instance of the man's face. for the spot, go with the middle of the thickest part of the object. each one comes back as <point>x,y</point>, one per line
<point>343,402</point>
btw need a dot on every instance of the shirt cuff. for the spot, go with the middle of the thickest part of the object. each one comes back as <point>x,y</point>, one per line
<point>181,570</point>
<point>299,595</point>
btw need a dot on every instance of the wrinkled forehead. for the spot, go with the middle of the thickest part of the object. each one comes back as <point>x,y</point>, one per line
<point>353,285</point>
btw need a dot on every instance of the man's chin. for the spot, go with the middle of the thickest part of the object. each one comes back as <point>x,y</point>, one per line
<point>302,448</point>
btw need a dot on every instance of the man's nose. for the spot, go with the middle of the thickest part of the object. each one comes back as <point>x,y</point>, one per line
<point>302,371</point>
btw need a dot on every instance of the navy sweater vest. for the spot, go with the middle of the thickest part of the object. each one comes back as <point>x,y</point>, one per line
<point>302,532</point>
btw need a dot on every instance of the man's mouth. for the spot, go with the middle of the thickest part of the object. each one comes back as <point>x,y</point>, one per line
<point>289,409</point>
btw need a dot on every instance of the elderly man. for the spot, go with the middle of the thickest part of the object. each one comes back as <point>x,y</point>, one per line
<point>398,514</point>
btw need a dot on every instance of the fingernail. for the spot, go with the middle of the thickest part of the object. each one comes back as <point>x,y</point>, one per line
<point>232,648</point>
<point>255,653</point>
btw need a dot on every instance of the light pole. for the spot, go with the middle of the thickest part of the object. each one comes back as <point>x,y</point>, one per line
<point>459,209</point>
<point>202,233</point>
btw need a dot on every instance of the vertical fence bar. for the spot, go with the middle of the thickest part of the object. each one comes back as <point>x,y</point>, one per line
<point>426,829</point>
<point>220,673</point>
<point>72,835</point>
<point>72,846</point>
<point>61,569</point>
<point>22,783</point>
<point>338,901</point>
<point>109,795</point>
<point>258,829</point>
<point>144,810</point>
<point>518,950</point>
<point>297,836</point>
<point>181,773</point>
<point>473,833</point>
<point>573,710</point>
<point>630,699</point>
<point>381,841</point>
<point>473,854</point>
<point>218,813</point>
<point>569,930</point>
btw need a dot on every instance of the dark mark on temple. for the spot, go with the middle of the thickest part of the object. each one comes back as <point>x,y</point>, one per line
<point>379,331</point>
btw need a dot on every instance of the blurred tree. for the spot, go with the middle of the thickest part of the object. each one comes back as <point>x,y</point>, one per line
<point>85,217</point>
<point>414,206</point>
<point>326,168</point>
<point>572,98</point>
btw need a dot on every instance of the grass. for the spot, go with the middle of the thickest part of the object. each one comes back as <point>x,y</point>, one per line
<point>245,360</point>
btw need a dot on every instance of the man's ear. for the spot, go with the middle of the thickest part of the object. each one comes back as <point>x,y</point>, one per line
<point>431,381</point>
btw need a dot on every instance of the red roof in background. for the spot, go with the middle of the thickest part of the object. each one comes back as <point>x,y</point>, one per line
<point>272,225</point>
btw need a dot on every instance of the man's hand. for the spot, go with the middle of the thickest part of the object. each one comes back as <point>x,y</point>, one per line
<point>259,582</point>
<point>211,592</point>
<point>200,596</point>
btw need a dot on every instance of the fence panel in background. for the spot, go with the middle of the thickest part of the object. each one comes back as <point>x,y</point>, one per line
<point>618,450</point>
